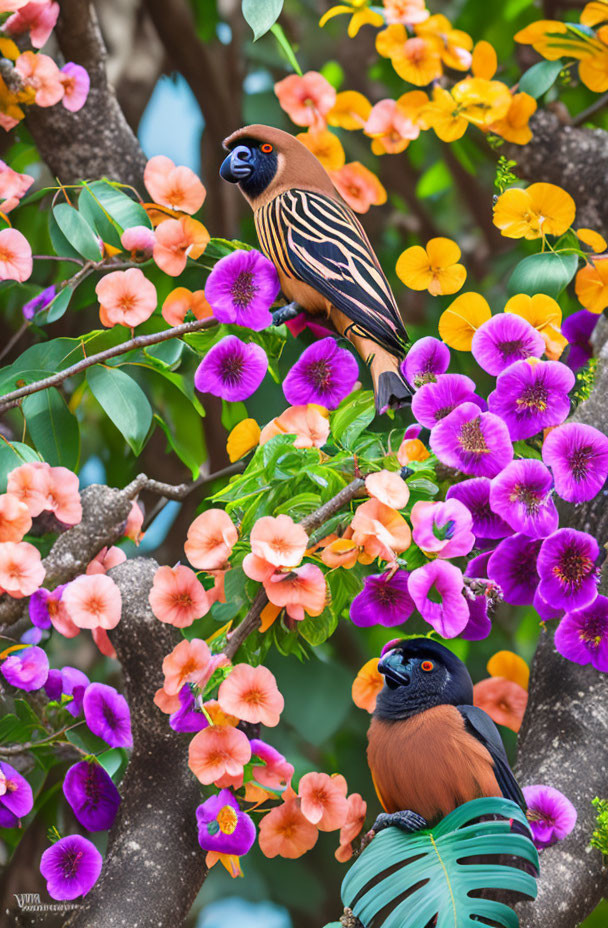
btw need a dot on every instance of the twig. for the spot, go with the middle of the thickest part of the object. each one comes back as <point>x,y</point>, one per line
<point>14,339</point>
<point>180,490</point>
<point>29,745</point>
<point>599,104</point>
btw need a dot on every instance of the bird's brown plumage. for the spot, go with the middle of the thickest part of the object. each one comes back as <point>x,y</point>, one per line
<point>428,763</point>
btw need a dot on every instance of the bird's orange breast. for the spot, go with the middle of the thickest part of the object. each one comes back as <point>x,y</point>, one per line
<point>428,763</point>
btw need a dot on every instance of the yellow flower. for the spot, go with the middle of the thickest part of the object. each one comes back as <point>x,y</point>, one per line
<point>594,13</point>
<point>593,71</point>
<point>462,318</point>
<point>553,40</point>
<point>360,15</point>
<point>454,46</point>
<point>544,313</point>
<point>482,102</point>
<point>433,268</point>
<point>591,284</point>
<point>8,49</point>
<point>416,60</point>
<point>484,61</point>
<point>242,439</point>
<point>514,126</point>
<point>350,111</point>
<point>539,210</point>
<point>326,146</point>
<point>444,116</point>
<point>595,241</point>
<point>510,666</point>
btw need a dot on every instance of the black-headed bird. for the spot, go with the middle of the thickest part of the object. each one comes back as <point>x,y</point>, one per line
<point>323,257</point>
<point>429,749</point>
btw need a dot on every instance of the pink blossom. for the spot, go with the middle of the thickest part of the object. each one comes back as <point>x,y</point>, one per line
<point>76,83</point>
<point>174,187</point>
<point>21,570</point>
<point>15,256</point>
<point>12,187</point>
<point>93,600</point>
<point>138,239</point>
<point>126,298</point>
<point>105,559</point>
<point>42,74</point>
<point>37,17</point>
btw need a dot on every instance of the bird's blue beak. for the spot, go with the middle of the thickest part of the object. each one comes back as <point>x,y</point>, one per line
<point>395,669</point>
<point>237,165</point>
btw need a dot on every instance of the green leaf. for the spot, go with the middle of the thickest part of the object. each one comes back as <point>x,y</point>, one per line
<point>545,272</point>
<point>327,703</point>
<point>540,77</point>
<point>261,15</point>
<point>98,218</point>
<point>523,450</point>
<point>13,729</point>
<point>85,739</point>
<point>52,428</point>
<point>114,762</point>
<point>352,417</point>
<point>77,231</point>
<point>315,629</point>
<point>415,877</point>
<point>179,420</point>
<point>60,244</point>
<point>120,207</point>
<point>123,401</point>
<point>284,44</point>
<point>58,306</point>
<point>11,456</point>
<point>434,180</point>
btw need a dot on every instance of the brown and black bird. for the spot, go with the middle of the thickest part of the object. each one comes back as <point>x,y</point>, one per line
<point>429,749</point>
<point>324,259</point>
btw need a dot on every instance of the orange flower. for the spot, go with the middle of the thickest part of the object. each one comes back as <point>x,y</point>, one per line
<point>181,300</point>
<point>325,146</point>
<point>358,187</point>
<point>367,684</point>
<point>594,240</point>
<point>381,530</point>
<point>444,115</point>
<point>544,313</point>
<point>243,438</point>
<point>453,44</point>
<point>416,60</point>
<point>355,817</point>
<point>285,832</point>
<point>391,127</point>
<point>310,425</point>
<point>217,714</point>
<point>484,61</point>
<point>433,268</point>
<point>279,541</point>
<point>462,318</point>
<point>173,187</point>
<point>216,751</point>
<point>539,210</point>
<point>350,111</point>
<point>252,695</point>
<point>511,666</point>
<point>412,449</point>
<point>307,100</point>
<point>503,700</point>
<point>341,552</point>
<point>210,541</point>
<point>190,662</point>
<point>125,298</point>
<point>177,597</point>
<point>230,862</point>
<point>388,487</point>
<point>176,241</point>
<point>302,590</point>
<point>323,800</point>
<point>514,127</point>
<point>591,284</point>
<point>15,519</point>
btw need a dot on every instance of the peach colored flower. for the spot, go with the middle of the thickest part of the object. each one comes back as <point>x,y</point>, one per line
<point>390,127</point>
<point>251,693</point>
<point>358,186</point>
<point>381,530</point>
<point>307,100</point>
<point>15,256</point>
<point>11,6</point>
<point>310,425</point>
<point>190,662</point>
<point>408,12</point>
<point>176,241</point>
<point>60,620</point>
<point>341,552</point>
<point>167,702</point>
<point>174,187</point>
<point>138,240</point>
<point>217,593</point>
<point>504,700</point>
<point>302,590</point>
<point>12,187</point>
<point>257,568</point>
<point>21,570</point>
<point>367,684</point>
<point>105,559</point>
<point>63,497</point>
<point>126,298</point>
<point>177,597</point>
<point>105,646</point>
<point>134,522</point>
<point>93,600</point>
<point>355,817</point>
<point>210,541</point>
<point>285,832</point>
<point>181,300</point>
<point>15,519</point>
<point>42,74</point>
<point>279,541</point>
<point>388,487</point>
<point>323,800</point>
<point>217,751</point>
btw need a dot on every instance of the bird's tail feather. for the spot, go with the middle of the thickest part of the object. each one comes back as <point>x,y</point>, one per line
<point>392,391</point>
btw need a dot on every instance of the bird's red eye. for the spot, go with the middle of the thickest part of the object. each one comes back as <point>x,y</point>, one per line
<point>266,148</point>
<point>427,665</point>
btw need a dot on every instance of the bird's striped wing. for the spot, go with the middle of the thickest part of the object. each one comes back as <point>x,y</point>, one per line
<point>479,724</point>
<point>318,240</point>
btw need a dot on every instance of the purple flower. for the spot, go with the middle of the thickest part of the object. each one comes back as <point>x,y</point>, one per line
<point>276,772</point>
<point>38,303</point>
<point>578,329</point>
<point>443,529</point>
<point>384,600</point>
<point>473,442</point>
<point>475,494</point>
<point>531,395</point>
<point>70,867</point>
<point>504,339</point>
<point>436,589</point>
<point>479,625</point>
<point>550,814</point>
<point>578,456</point>
<point>68,681</point>
<point>512,565</point>
<point>31,636</point>
<point>222,827</point>
<point>92,795</point>
<point>545,610</point>
<point>232,369</point>
<point>7,819</point>
<point>566,566</point>
<point>427,358</point>
<point>187,718</point>
<point>27,669</point>
<point>582,636</point>
<point>44,604</point>
<point>107,714</point>
<point>241,288</point>
<point>412,431</point>
<point>15,792</point>
<point>477,567</point>
<point>435,400</point>
<point>323,374</point>
<point>521,493</point>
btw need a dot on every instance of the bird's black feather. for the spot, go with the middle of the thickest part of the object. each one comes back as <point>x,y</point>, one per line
<point>479,724</point>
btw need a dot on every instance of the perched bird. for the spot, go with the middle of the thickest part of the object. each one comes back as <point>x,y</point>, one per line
<point>323,257</point>
<point>429,749</point>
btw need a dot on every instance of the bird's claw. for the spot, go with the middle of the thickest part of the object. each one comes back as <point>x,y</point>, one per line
<point>406,821</point>
<point>285,313</point>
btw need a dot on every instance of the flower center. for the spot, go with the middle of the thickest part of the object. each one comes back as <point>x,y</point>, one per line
<point>579,462</point>
<point>386,595</point>
<point>95,605</point>
<point>444,411</point>
<point>516,347</point>
<point>526,495</point>
<point>183,599</point>
<point>52,607</point>
<point>534,396</point>
<point>535,815</point>
<point>471,437</point>
<point>594,631</point>
<point>91,787</point>
<point>227,820</point>
<point>243,289</point>
<point>69,864</point>
<point>232,369</point>
<point>321,374</point>
<point>573,567</point>
<point>253,697</point>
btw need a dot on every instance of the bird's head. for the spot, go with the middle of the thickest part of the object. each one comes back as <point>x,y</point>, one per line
<point>262,159</point>
<point>420,673</point>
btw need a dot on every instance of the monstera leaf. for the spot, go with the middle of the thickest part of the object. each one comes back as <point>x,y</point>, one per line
<point>410,879</point>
